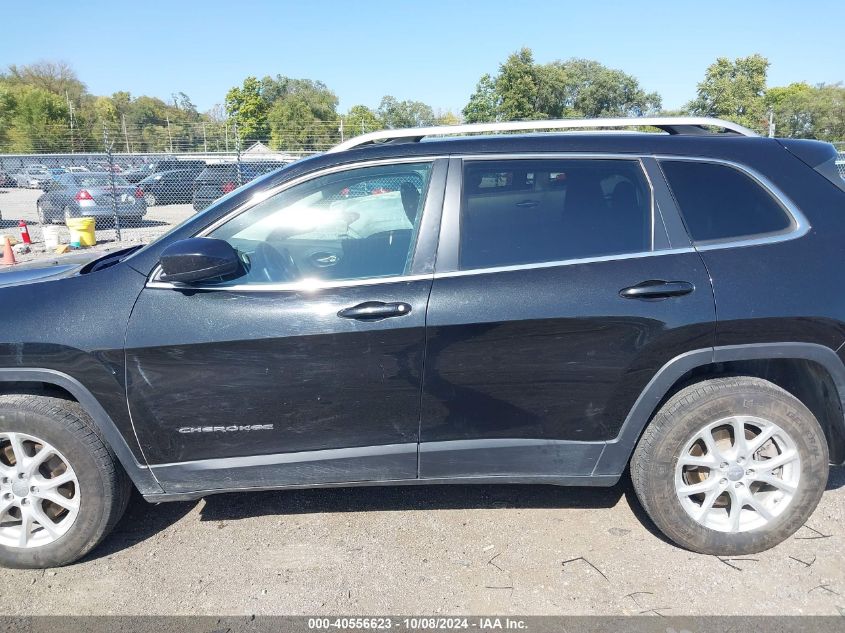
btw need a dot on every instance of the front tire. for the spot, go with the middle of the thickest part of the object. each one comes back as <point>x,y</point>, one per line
<point>150,199</point>
<point>730,466</point>
<point>61,487</point>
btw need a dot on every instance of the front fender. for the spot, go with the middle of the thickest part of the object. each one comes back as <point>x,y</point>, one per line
<point>140,474</point>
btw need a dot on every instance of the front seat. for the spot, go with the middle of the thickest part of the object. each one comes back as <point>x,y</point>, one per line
<point>385,253</point>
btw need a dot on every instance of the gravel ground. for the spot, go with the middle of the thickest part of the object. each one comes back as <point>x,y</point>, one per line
<point>430,550</point>
<point>417,550</point>
<point>19,204</point>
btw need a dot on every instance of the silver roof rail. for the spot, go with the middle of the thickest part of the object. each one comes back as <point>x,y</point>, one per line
<point>672,125</point>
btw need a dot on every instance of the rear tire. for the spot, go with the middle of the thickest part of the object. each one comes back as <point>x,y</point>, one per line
<point>99,488</point>
<point>713,495</point>
<point>150,199</point>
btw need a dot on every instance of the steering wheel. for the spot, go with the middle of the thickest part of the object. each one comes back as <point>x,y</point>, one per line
<point>271,265</point>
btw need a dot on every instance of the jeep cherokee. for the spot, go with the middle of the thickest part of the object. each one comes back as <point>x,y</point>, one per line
<point>439,306</point>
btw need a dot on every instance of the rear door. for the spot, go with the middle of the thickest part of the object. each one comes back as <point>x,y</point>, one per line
<point>558,294</point>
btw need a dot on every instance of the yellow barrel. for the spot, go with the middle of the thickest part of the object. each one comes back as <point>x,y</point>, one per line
<point>82,231</point>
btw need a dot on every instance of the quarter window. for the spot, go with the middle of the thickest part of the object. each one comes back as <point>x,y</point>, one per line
<point>719,202</point>
<point>355,224</point>
<point>533,211</point>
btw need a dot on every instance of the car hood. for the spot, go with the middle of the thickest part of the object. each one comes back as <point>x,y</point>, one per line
<point>46,269</point>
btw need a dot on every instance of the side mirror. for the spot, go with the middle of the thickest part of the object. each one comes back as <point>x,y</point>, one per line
<point>198,259</point>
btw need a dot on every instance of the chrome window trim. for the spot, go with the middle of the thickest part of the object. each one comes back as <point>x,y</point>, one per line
<point>800,226</point>
<point>305,285</point>
<point>154,281</point>
<point>564,262</point>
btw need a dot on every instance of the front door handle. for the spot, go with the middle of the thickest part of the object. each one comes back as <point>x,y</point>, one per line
<point>528,204</point>
<point>375,311</point>
<point>657,289</point>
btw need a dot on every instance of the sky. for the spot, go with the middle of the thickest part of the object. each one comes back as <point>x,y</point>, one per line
<point>432,51</point>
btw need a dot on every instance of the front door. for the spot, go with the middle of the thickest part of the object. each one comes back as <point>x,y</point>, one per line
<point>307,367</point>
<point>550,312</point>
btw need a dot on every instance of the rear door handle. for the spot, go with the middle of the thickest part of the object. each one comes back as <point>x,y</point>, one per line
<point>375,311</point>
<point>657,289</point>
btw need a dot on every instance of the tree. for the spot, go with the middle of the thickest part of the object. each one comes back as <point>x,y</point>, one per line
<point>483,106</point>
<point>248,109</point>
<point>586,88</point>
<point>360,120</point>
<point>516,87</point>
<point>572,88</point>
<point>734,90</point>
<point>52,76</point>
<point>398,114</point>
<point>303,114</point>
<point>805,111</point>
<point>37,120</point>
<point>447,118</point>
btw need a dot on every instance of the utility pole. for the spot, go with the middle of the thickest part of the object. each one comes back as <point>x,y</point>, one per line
<point>125,133</point>
<point>169,135</point>
<point>204,138</point>
<point>226,132</point>
<point>238,154</point>
<point>771,123</point>
<point>108,146</point>
<point>341,129</point>
<point>70,110</point>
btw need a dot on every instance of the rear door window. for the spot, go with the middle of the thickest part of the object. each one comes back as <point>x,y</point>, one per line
<point>719,202</point>
<point>533,211</point>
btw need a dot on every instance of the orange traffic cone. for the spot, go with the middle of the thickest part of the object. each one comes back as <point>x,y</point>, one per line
<point>8,253</point>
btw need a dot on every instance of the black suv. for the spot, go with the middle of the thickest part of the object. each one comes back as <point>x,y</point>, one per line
<point>216,181</point>
<point>145,171</point>
<point>537,308</point>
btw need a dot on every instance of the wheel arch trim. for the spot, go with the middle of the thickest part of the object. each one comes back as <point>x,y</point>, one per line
<point>618,451</point>
<point>139,473</point>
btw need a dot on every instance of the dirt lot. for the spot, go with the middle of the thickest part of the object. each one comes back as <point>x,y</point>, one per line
<point>19,204</point>
<point>430,549</point>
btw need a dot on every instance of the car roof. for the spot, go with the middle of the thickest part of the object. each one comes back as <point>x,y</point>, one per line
<point>724,146</point>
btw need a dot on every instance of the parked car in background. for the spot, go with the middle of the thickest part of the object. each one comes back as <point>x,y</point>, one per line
<point>218,180</point>
<point>77,169</point>
<point>137,175</point>
<point>6,180</point>
<point>56,171</point>
<point>169,187</point>
<point>33,177</point>
<point>106,167</point>
<point>89,195</point>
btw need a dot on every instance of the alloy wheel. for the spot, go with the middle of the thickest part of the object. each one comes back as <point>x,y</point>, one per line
<point>39,492</point>
<point>737,474</point>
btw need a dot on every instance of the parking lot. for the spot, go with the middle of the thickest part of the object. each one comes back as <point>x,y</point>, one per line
<point>19,204</point>
<point>430,549</point>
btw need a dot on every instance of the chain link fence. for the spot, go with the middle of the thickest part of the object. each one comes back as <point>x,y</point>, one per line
<point>132,197</point>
